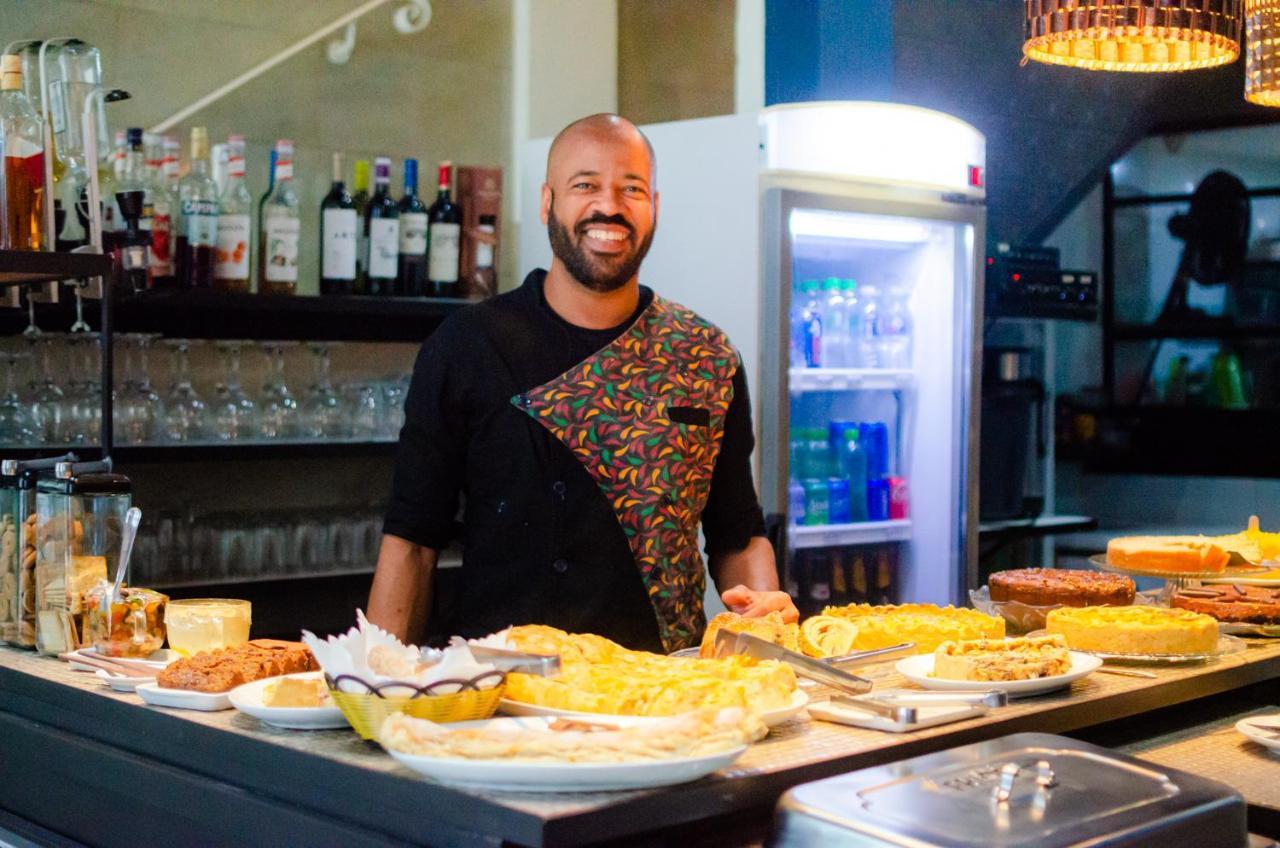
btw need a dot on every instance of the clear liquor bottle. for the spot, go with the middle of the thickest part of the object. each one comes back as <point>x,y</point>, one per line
<point>278,260</point>
<point>338,236</point>
<point>382,233</point>
<point>198,202</point>
<point>22,150</point>
<point>411,276</point>
<point>165,217</point>
<point>231,266</point>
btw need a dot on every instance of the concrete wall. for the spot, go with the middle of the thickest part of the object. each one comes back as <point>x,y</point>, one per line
<point>675,59</point>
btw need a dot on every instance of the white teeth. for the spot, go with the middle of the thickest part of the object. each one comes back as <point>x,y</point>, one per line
<point>606,235</point>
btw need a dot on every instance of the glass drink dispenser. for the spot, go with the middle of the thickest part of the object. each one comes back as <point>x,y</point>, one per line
<point>79,519</point>
<point>18,548</point>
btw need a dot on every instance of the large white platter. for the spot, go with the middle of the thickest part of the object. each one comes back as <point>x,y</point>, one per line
<point>918,670</point>
<point>1268,736</point>
<point>538,776</point>
<point>771,718</point>
<point>183,699</point>
<point>248,699</point>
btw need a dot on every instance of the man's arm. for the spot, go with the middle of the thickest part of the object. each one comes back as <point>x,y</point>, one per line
<point>748,581</point>
<point>400,599</point>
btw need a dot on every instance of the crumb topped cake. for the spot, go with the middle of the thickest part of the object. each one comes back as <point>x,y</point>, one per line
<point>1061,586</point>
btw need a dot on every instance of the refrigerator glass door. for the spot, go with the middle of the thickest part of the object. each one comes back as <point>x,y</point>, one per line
<point>873,357</point>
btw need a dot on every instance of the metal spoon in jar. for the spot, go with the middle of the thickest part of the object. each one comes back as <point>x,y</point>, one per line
<point>132,519</point>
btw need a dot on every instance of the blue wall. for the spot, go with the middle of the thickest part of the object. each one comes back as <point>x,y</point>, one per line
<point>828,50</point>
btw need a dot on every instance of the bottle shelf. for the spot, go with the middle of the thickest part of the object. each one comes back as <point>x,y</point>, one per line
<point>203,314</point>
<point>208,451</point>
<point>859,533</point>
<point>29,267</point>
<point>843,379</point>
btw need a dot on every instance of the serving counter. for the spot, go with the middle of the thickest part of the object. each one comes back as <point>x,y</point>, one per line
<point>84,762</point>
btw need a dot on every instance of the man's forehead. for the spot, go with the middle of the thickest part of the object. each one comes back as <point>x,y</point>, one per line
<point>594,151</point>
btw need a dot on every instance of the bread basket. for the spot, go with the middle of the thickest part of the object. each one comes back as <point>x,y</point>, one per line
<point>442,701</point>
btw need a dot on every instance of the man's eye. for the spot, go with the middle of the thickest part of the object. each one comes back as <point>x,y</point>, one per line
<point>583,185</point>
<point>635,189</point>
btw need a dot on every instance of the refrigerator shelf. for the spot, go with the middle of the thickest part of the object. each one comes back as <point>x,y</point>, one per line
<point>840,379</point>
<point>861,533</point>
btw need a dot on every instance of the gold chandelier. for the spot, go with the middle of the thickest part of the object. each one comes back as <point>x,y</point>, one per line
<point>1137,35</point>
<point>1262,52</point>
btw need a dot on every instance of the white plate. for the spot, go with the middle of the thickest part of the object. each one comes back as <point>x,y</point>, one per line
<point>518,776</point>
<point>157,660</point>
<point>1265,738</point>
<point>248,700</point>
<point>771,718</point>
<point>184,699</point>
<point>120,682</point>
<point>918,669</point>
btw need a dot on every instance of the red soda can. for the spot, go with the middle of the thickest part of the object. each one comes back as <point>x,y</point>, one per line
<point>898,498</point>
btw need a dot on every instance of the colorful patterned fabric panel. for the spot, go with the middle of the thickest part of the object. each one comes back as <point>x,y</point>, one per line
<point>645,415</point>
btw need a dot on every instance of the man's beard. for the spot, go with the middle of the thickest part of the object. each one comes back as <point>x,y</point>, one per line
<point>587,269</point>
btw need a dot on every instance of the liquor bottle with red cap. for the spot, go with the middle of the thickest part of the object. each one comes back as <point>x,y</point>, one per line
<point>445,235</point>
<point>278,258</point>
<point>231,270</point>
<point>164,218</point>
<point>22,149</point>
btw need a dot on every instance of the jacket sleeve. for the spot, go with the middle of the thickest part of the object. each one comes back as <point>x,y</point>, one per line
<point>732,516</point>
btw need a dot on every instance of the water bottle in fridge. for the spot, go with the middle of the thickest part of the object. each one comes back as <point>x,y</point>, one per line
<point>811,324</point>
<point>853,325</point>
<point>835,324</point>
<point>869,349</point>
<point>895,327</point>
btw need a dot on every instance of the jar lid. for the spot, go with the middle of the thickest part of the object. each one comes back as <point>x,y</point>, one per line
<point>94,483</point>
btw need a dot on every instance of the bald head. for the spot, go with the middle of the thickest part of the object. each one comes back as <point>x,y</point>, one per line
<point>602,129</point>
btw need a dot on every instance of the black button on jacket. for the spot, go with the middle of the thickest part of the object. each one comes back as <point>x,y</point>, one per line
<point>541,544</point>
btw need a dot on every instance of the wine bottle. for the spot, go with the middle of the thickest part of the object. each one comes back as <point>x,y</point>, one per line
<point>411,277</point>
<point>278,261</point>
<point>382,232</point>
<point>338,240</point>
<point>198,198</point>
<point>360,197</point>
<point>445,233</point>
<point>231,269</point>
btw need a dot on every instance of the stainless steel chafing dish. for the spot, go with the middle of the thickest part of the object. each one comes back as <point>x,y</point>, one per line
<point>1030,789</point>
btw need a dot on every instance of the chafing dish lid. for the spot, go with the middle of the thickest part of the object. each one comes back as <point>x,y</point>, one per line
<point>1057,791</point>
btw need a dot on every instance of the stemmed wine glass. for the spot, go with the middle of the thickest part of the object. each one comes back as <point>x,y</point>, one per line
<point>47,402</point>
<point>322,418</point>
<point>279,416</point>
<point>16,426</point>
<point>234,413</point>
<point>84,416</point>
<point>184,413</point>
<point>140,409</point>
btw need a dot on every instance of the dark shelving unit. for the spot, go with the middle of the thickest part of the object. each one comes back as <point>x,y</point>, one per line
<point>31,267</point>
<point>1207,330</point>
<point>202,314</point>
<point>220,452</point>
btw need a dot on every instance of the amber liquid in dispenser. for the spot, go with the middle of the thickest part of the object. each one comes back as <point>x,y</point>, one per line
<point>21,139</point>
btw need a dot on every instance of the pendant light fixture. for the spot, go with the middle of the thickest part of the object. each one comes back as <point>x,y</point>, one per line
<point>1136,35</point>
<point>1262,52</point>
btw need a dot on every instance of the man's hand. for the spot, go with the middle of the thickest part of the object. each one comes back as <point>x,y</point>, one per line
<point>753,604</point>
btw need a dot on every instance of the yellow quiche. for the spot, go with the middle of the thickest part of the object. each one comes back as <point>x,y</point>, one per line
<point>1134,630</point>
<point>927,625</point>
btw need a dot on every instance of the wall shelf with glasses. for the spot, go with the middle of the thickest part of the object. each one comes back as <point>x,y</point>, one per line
<point>216,315</point>
<point>30,267</point>
<point>210,452</point>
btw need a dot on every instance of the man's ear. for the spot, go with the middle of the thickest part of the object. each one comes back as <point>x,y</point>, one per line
<point>546,204</point>
<point>656,198</point>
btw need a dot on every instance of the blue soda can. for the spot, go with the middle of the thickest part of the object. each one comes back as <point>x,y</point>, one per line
<point>795,502</point>
<point>875,442</point>
<point>839,509</point>
<point>816,503</point>
<point>878,500</point>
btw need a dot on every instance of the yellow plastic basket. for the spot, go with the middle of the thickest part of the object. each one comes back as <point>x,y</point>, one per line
<point>367,710</point>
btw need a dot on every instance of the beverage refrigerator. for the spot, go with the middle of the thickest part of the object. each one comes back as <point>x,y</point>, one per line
<point>839,245</point>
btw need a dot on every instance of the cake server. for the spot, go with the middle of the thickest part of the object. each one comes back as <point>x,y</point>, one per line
<point>519,662</point>
<point>729,643</point>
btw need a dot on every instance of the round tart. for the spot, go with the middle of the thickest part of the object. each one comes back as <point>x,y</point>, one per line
<point>1236,604</point>
<point>1134,630</point>
<point>1043,587</point>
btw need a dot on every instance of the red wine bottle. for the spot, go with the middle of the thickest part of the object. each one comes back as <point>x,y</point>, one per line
<point>445,219</point>
<point>382,233</point>
<point>338,239</point>
<point>411,278</point>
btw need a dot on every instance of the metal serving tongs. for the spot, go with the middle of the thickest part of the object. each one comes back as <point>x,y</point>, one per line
<point>729,643</point>
<point>519,662</point>
<point>901,706</point>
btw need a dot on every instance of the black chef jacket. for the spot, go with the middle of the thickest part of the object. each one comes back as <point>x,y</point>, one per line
<point>541,544</point>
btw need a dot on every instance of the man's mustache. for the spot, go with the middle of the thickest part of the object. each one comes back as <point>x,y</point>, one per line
<point>615,220</point>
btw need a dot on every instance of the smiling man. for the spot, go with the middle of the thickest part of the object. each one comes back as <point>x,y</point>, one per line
<point>590,427</point>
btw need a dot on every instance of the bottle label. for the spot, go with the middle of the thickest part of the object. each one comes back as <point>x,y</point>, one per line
<point>442,264</point>
<point>200,218</point>
<point>339,248</point>
<point>484,255</point>
<point>232,261</point>
<point>413,233</point>
<point>284,170</point>
<point>161,245</point>
<point>282,249</point>
<point>384,245</point>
